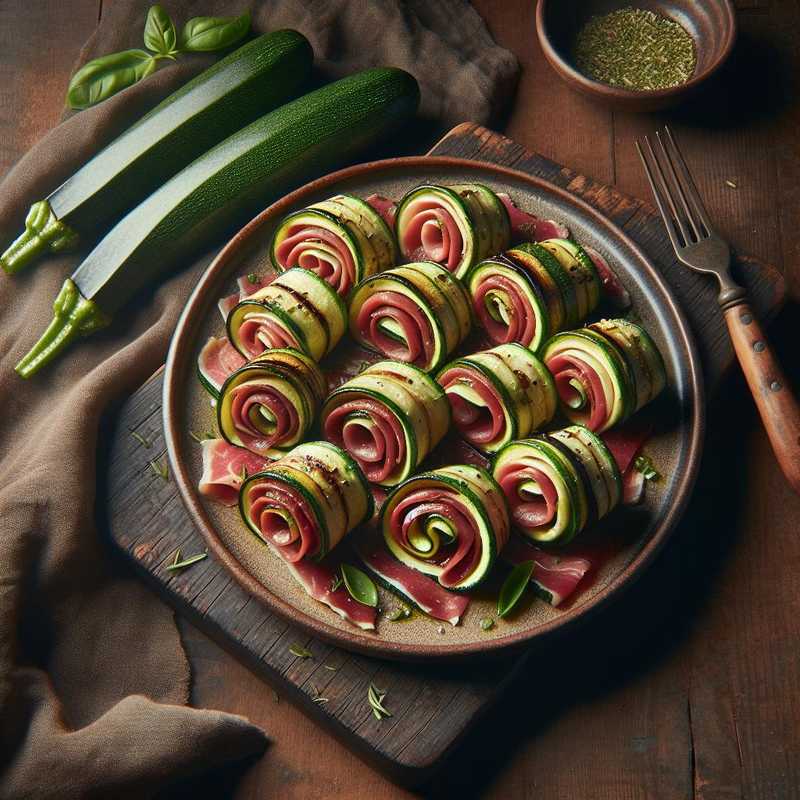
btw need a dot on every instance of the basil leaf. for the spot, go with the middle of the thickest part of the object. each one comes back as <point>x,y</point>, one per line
<point>360,586</point>
<point>105,76</point>
<point>514,586</point>
<point>203,34</point>
<point>160,35</point>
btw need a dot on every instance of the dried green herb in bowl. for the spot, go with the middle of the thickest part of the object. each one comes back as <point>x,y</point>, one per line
<point>635,49</point>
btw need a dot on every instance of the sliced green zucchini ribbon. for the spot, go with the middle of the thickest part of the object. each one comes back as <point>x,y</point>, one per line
<point>417,313</point>
<point>269,404</point>
<point>456,226</point>
<point>604,372</point>
<point>297,310</point>
<point>342,239</point>
<point>449,523</point>
<point>498,395</point>
<point>557,483</point>
<point>307,502</point>
<point>389,417</point>
<point>534,290</point>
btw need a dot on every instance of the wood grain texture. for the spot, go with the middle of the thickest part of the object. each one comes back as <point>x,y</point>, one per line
<point>703,700</point>
<point>774,397</point>
<point>435,707</point>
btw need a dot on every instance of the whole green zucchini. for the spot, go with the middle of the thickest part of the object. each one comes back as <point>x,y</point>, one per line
<point>238,89</point>
<point>307,136</point>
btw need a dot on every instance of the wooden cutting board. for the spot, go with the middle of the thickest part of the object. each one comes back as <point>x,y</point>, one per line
<point>432,707</point>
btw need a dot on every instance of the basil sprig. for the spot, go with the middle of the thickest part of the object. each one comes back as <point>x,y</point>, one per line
<point>103,77</point>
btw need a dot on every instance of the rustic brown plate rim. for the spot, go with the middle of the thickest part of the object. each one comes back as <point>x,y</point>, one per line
<point>180,349</point>
<point>587,84</point>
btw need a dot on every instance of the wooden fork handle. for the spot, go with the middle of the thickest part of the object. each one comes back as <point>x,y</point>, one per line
<point>774,398</point>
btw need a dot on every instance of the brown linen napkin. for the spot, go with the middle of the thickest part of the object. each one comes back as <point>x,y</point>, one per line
<point>92,674</point>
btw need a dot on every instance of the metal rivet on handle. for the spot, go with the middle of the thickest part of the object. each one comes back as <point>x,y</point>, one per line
<point>746,318</point>
<point>775,386</point>
<point>759,346</point>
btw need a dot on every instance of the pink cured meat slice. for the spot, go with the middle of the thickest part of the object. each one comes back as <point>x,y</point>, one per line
<point>529,515</point>
<point>317,577</point>
<point>479,426</point>
<point>611,284</point>
<point>625,444</point>
<point>527,227</point>
<point>244,400</point>
<point>217,360</point>
<point>564,370</point>
<point>271,501</point>
<point>384,450</point>
<point>522,323</point>
<point>260,332</point>
<point>459,562</point>
<point>222,470</point>
<point>385,207</point>
<point>227,304</point>
<point>418,348</point>
<point>432,234</point>
<point>423,591</point>
<point>557,575</point>
<point>248,287</point>
<point>339,270</point>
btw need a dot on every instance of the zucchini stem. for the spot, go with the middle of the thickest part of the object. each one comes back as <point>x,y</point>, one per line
<point>73,316</point>
<point>43,231</point>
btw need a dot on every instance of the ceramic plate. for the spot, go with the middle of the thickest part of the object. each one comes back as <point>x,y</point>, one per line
<point>621,546</point>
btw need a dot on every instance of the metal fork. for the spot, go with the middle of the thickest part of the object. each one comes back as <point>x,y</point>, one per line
<point>701,248</point>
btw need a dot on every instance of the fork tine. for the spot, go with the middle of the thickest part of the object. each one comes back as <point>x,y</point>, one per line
<point>676,190</point>
<point>688,181</point>
<point>666,203</point>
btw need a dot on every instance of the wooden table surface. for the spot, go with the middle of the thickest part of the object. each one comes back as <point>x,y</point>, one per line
<point>695,692</point>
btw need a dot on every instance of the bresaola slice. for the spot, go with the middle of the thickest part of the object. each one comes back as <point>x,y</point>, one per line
<point>455,226</point>
<point>385,207</point>
<point>555,577</point>
<point>527,227</point>
<point>217,360</point>
<point>448,523</point>
<point>625,444</point>
<point>388,417</point>
<point>224,469</point>
<point>425,593</point>
<point>342,239</point>
<point>304,504</point>
<point>612,286</point>
<point>269,404</point>
<point>318,578</point>
<point>498,395</point>
<point>248,284</point>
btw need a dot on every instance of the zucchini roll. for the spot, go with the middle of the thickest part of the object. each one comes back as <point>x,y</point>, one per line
<point>417,313</point>
<point>449,523</point>
<point>304,504</point>
<point>498,395</point>
<point>527,294</point>
<point>269,404</point>
<point>342,239</point>
<point>557,483</point>
<point>388,418</point>
<point>605,372</point>
<point>583,276</point>
<point>455,226</point>
<point>297,310</point>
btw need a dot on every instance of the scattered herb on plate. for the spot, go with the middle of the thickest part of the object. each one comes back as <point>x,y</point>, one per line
<point>487,623</point>
<point>399,613</point>
<point>336,582</point>
<point>644,465</point>
<point>360,586</point>
<point>201,437</point>
<point>514,587</point>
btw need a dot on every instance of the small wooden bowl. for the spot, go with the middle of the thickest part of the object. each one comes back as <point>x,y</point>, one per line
<point>711,23</point>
